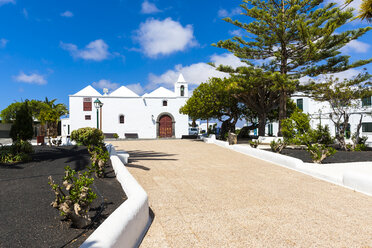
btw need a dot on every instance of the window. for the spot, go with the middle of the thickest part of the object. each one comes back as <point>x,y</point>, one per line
<point>270,131</point>
<point>87,104</point>
<point>182,90</point>
<point>300,103</point>
<point>87,117</point>
<point>165,103</point>
<point>68,129</point>
<point>366,101</point>
<point>367,127</point>
<point>121,119</point>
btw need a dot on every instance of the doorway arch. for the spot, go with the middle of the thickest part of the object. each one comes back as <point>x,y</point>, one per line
<point>165,125</point>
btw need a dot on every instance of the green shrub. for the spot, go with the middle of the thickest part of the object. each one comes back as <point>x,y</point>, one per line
<point>99,158</point>
<point>360,147</point>
<point>74,200</point>
<point>115,135</point>
<point>319,152</point>
<point>296,128</point>
<point>19,151</point>
<point>254,144</point>
<point>321,135</point>
<point>277,146</point>
<point>88,136</point>
<point>22,128</point>
<point>92,138</point>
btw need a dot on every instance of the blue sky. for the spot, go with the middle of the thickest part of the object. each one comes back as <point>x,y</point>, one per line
<point>55,48</point>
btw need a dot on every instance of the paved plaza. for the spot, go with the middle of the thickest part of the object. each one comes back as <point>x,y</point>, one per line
<point>203,195</point>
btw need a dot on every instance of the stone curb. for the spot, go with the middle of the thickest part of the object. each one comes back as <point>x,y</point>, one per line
<point>353,180</point>
<point>128,224</point>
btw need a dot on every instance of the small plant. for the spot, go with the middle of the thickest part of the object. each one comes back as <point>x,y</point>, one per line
<point>277,146</point>
<point>319,152</point>
<point>19,151</point>
<point>254,144</point>
<point>321,135</point>
<point>360,147</point>
<point>93,139</point>
<point>99,158</point>
<point>74,200</point>
<point>115,135</point>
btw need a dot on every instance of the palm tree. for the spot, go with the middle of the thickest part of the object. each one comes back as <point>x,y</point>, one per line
<point>365,10</point>
<point>49,116</point>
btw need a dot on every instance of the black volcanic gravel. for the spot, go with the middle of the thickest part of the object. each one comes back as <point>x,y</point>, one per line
<point>26,217</point>
<point>338,157</point>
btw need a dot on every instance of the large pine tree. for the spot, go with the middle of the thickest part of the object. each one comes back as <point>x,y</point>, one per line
<point>297,38</point>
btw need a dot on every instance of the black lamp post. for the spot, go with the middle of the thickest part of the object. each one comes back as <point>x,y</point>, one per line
<point>98,105</point>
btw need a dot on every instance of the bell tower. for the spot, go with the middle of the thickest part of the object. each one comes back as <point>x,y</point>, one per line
<point>181,88</point>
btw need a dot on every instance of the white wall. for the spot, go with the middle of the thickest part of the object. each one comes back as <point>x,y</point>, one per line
<point>140,115</point>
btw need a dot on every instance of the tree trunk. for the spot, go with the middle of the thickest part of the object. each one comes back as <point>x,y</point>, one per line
<point>282,110</point>
<point>356,138</point>
<point>261,124</point>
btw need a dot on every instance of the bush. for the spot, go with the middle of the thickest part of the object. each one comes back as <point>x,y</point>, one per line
<point>321,135</point>
<point>360,147</point>
<point>88,136</point>
<point>320,152</point>
<point>115,135</point>
<point>295,128</point>
<point>277,146</point>
<point>73,201</point>
<point>99,158</point>
<point>22,128</point>
<point>19,151</point>
<point>254,144</point>
<point>92,138</point>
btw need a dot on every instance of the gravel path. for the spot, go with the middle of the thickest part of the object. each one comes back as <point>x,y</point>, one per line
<point>203,195</point>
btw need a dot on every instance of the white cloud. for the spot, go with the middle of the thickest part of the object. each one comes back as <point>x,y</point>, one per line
<point>2,2</point>
<point>3,42</point>
<point>237,32</point>
<point>164,37</point>
<point>348,74</point>
<point>67,14</point>
<point>355,46</point>
<point>96,50</point>
<point>25,13</point>
<point>136,88</point>
<point>149,8</point>
<point>224,13</point>
<point>355,4</point>
<point>104,83</point>
<point>30,79</point>
<point>196,73</point>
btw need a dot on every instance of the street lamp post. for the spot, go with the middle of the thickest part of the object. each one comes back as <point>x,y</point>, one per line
<point>98,105</point>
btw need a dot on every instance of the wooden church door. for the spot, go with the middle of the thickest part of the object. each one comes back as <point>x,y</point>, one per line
<point>165,126</point>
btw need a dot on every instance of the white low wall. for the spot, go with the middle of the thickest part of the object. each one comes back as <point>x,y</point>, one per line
<point>128,224</point>
<point>355,180</point>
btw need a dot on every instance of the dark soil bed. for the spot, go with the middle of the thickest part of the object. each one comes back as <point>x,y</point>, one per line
<point>338,157</point>
<point>26,217</point>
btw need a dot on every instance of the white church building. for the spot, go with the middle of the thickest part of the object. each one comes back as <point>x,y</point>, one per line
<point>153,115</point>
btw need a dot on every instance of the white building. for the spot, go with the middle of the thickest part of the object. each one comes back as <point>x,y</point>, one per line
<point>129,115</point>
<point>319,113</point>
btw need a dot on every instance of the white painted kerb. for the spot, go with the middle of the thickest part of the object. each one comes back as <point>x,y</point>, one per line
<point>128,224</point>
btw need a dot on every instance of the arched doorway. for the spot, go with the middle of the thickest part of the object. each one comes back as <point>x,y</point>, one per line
<point>165,126</point>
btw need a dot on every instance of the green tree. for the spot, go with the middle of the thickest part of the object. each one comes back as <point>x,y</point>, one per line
<point>343,97</point>
<point>49,115</point>
<point>294,38</point>
<point>9,113</point>
<point>22,128</point>
<point>213,99</point>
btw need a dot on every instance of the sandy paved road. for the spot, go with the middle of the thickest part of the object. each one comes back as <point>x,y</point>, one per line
<point>207,196</point>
